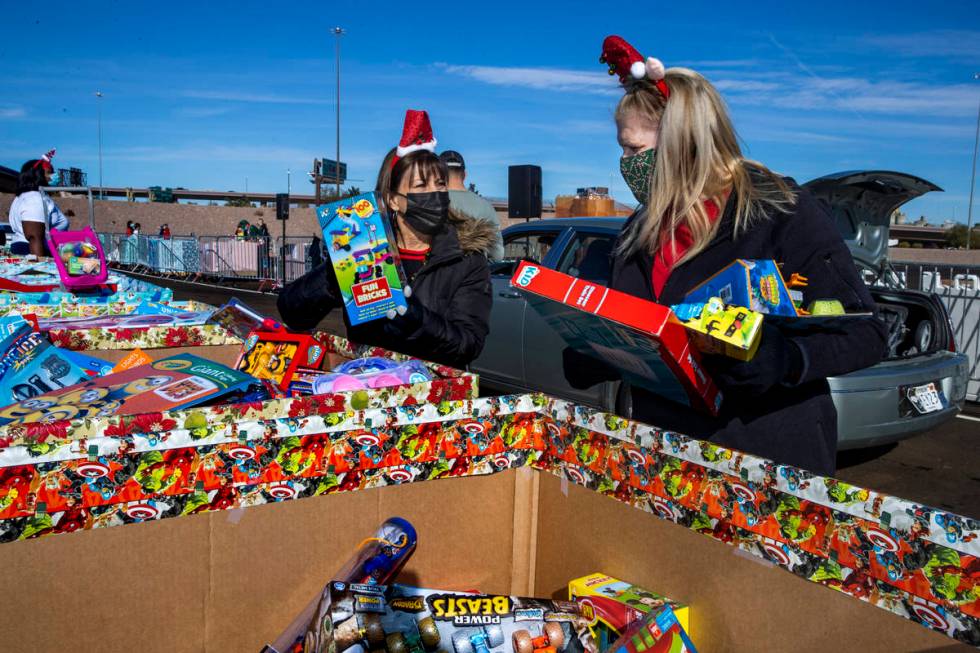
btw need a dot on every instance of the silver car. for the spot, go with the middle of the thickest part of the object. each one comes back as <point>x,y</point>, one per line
<point>920,385</point>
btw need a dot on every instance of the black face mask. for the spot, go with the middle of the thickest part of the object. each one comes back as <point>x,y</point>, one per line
<point>427,213</point>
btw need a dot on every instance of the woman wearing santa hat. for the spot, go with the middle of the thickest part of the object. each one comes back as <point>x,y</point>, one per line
<point>448,316</point>
<point>703,205</point>
<point>32,213</point>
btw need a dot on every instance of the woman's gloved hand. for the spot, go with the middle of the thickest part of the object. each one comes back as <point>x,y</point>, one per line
<point>405,322</point>
<point>777,361</point>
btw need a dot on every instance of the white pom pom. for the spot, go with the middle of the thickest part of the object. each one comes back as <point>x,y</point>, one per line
<point>637,70</point>
<point>655,69</point>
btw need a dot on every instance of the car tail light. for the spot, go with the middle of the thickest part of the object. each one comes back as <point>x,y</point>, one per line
<point>950,334</point>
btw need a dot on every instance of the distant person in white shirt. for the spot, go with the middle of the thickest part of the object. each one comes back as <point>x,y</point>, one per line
<point>464,203</point>
<point>33,213</point>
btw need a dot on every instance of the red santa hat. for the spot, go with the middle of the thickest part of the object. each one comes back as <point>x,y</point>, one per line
<point>416,134</point>
<point>627,62</point>
<point>45,161</point>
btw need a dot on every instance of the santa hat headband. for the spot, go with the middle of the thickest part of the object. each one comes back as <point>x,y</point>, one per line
<point>416,135</point>
<point>627,62</point>
<point>45,161</point>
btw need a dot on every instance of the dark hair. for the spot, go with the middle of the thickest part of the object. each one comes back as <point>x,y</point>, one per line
<point>31,177</point>
<point>390,177</point>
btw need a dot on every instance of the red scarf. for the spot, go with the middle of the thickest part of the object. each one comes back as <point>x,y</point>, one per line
<point>670,251</point>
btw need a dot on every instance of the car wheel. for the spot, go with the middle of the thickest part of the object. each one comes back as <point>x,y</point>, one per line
<point>495,636</point>
<point>374,632</point>
<point>923,336</point>
<point>555,634</point>
<point>429,633</point>
<point>396,643</point>
<point>624,400</point>
<point>522,642</point>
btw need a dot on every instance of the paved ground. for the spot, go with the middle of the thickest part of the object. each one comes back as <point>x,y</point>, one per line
<point>940,468</point>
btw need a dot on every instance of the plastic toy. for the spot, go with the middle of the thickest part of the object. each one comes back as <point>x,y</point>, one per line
<point>612,605</point>
<point>370,373</point>
<point>658,632</point>
<point>79,258</point>
<point>239,319</point>
<point>275,355</point>
<point>401,619</point>
<point>367,268</point>
<point>718,329</point>
<point>755,284</point>
<point>825,307</point>
<point>552,638</point>
<point>379,558</point>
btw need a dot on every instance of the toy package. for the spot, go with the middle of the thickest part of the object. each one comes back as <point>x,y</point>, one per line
<point>275,355</point>
<point>612,605</point>
<point>715,328</point>
<point>79,257</point>
<point>373,372</point>
<point>240,320</point>
<point>402,619</point>
<point>658,632</point>
<point>178,381</point>
<point>133,359</point>
<point>641,339</point>
<point>377,560</point>
<point>364,257</point>
<point>131,321</point>
<point>31,366</point>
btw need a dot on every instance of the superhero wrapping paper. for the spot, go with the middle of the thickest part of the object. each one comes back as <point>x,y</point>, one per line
<point>916,561</point>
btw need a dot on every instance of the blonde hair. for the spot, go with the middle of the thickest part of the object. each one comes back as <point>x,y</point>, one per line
<point>698,158</point>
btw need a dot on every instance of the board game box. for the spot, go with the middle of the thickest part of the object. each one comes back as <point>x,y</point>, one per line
<point>641,339</point>
<point>178,381</point>
<point>402,619</point>
<point>32,366</point>
<point>612,606</point>
<point>364,257</point>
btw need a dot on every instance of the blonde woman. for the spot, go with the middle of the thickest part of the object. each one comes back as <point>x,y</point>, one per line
<point>703,205</point>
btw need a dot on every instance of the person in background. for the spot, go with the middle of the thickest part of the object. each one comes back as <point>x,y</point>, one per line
<point>137,228</point>
<point>241,232</point>
<point>465,204</point>
<point>448,317</point>
<point>129,227</point>
<point>263,230</point>
<point>33,213</point>
<point>703,204</point>
<point>165,231</point>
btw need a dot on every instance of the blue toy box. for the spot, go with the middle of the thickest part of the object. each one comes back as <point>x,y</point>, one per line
<point>364,257</point>
<point>755,284</point>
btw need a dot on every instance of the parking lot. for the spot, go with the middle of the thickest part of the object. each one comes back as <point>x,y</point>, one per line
<point>940,468</point>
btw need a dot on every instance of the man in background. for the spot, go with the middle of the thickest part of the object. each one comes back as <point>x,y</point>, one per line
<point>465,203</point>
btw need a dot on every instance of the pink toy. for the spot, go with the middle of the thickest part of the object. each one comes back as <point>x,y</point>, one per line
<point>79,258</point>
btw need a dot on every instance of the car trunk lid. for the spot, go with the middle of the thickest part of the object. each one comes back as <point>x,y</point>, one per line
<point>862,202</point>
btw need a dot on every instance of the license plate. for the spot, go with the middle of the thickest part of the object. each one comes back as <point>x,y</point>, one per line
<point>925,398</point>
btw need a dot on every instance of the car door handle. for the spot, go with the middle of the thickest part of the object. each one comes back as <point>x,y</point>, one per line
<point>509,294</point>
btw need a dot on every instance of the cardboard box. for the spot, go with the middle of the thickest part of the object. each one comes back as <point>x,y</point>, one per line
<point>364,256</point>
<point>756,284</point>
<point>613,605</point>
<point>640,338</point>
<point>658,632</point>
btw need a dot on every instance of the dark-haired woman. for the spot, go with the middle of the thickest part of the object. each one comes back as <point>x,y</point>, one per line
<point>449,309</point>
<point>32,213</point>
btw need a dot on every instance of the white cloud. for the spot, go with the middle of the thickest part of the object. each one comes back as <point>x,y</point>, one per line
<point>949,43</point>
<point>203,112</point>
<point>253,98</point>
<point>10,113</point>
<point>551,79</point>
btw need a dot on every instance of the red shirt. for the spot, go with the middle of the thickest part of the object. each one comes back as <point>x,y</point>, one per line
<point>671,251</point>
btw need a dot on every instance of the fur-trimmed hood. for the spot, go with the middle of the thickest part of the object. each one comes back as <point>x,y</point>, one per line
<point>475,235</point>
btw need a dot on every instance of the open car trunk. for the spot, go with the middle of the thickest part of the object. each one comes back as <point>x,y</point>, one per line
<point>862,203</point>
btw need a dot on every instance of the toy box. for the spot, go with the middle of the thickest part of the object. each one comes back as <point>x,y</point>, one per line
<point>612,605</point>
<point>641,339</point>
<point>240,320</point>
<point>715,328</point>
<point>658,632</point>
<point>755,284</point>
<point>79,258</point>
<point>364,257</point>
<point>30,366</point>
<point>178,381</point>
<point>275,355</point>
<point>402,619</point>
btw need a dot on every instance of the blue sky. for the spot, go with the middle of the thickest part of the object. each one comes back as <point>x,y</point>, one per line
<point>203,95</point>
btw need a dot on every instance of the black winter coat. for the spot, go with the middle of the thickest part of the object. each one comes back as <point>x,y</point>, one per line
<point>449,310</point>
<point>794,422</point>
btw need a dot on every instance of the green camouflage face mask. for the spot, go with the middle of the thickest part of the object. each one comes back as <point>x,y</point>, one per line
<point>637,170</point>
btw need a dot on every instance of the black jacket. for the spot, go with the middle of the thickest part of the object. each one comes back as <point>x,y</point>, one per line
<point>778,405</point>
<point>449,309</point>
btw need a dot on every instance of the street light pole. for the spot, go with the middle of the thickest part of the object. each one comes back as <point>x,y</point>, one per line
<point>338,32</point>
<point>289,188</point>
<point>98,103</point>
<point>973,174</point>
